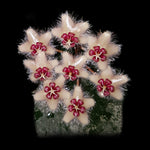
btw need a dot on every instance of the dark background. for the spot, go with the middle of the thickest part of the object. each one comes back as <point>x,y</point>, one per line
<point>119,17</point>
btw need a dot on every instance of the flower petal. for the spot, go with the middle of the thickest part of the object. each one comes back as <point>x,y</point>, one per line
<point>64,36</point>
<point>46,89</point>
<point>103,57</point>
<point>70,108</point>
<point>95,59</point>
<point>101,82</point>
<point>39,70</point>
<point>107,73</point>
<point>41,60</point>
<point>66,96</point>
<point>73,78</point>
<point>102,65</point>
<point>76,40</point>
<point>88,102</point>
<point>52,85</point>
<point>50,51</point>
<point>107,82</point>
<point>81,27</point>
<point>106,93</point>
<point>24,47</point>
<point>45,38</point>
<point>117,94</point>
<point>65,69</point>
<point>63,42</point>
<point>76,113</point>
<point>84,74</point>
<point>103,50</point>
<point>67,58</point>
<point>71,68</point>
<point>39,96</point>
<point>53,63</point>
<point>76,71</point>
<point>82,109</point>
<point>68,116</point>
<point>52,104</point>
<point>113,49</point>
<point>60,81</point>
<point>99,88</point>
<point>119,80</point>
<point>66,77</point>
<point>72,44</point>
<point>43,48</point>
<point>71,35</point>
<point>94,78</point>
<point>32,78</point>
<point>58,89</point>
<point>30,64</point>
<point>83,118</point>
<point>48,74</point>
<point>49,96</point>
<point>59,69</point>
<point>55,96</point>
<point>80,102</point>
<point>110,88</point>
<point>32,35</point>
<point>57,32</point>
<point>78,92</point>
<point>45,70</point>
<point>37,75</point>
<point>73,101</point>
<point>104,39</point>
<point>66,22</point>
<point>97,49</point>
<point>91,52</point>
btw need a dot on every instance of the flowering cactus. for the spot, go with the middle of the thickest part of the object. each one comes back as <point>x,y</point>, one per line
<point>67,83</point>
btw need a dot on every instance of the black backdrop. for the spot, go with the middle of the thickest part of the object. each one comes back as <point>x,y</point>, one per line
<point>117,17</point>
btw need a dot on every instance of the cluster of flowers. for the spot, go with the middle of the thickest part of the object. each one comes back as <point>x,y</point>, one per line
<point>43,68</point>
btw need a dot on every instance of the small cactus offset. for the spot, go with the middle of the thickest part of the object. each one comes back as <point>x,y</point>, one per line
<point>78,91</point>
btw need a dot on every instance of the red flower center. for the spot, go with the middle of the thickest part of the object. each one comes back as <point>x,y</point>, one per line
<point>70,73</point>
<point>69,40</point>
<point>76,107</point>
<point>42,73</point>
<point>36,47</point>
<point>105,87</point>
<point>98,54</point>
<point>52,91</point>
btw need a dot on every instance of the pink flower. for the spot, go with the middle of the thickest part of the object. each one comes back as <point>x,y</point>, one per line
<point>69,40</point>
<point>70,73</point>
<point>98,54</point>
<point>52,91</point>
<point>105,86</point>
<point>36,47</point>
<point>76,107</point>
<point>42,73</point>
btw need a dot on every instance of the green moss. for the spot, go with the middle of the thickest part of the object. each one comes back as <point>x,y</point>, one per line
<point>37,114</point>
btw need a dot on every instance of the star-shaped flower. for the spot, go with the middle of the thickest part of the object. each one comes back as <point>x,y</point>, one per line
<point>36,42</point>
<point>70,31</point>
<point>70,73</point>
<point>77,106</point>
<point>40,68</point>
<point>109,83</point>
<point>101,49</point>
<point>52,92</point>
<point>69,40</point>
<point>72,68</point>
